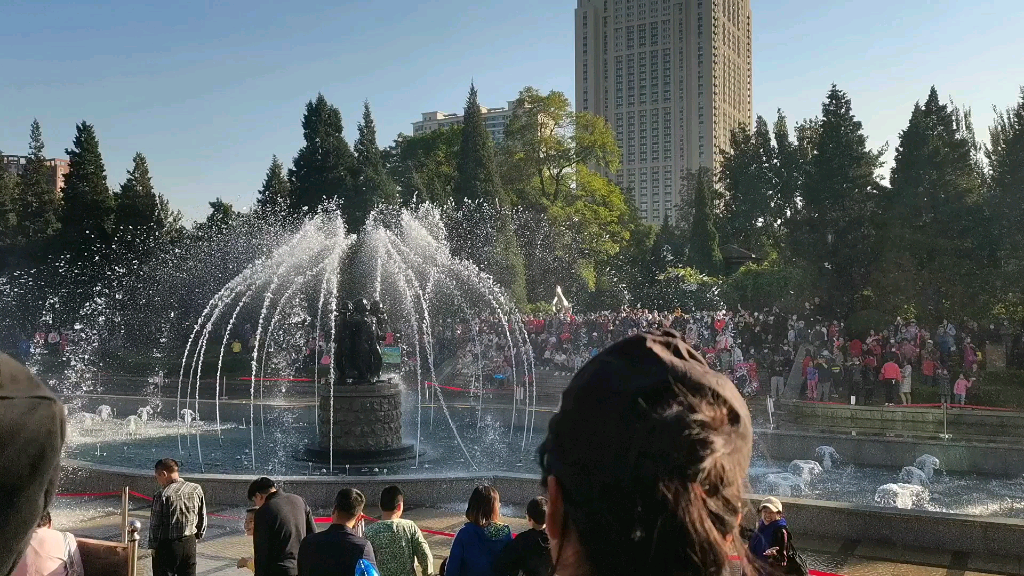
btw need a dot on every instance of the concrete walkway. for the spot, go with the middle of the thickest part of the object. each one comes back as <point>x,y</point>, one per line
<point>225,543</point>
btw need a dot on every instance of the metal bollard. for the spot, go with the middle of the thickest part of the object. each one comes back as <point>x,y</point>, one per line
<point>133,546</point>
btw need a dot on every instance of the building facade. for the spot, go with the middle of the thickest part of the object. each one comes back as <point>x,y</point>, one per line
<point>495,120</point>
<point>672,78</point>
<point>14,164</point>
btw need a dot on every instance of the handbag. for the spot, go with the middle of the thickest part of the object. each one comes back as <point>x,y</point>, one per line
<point>796,565</point>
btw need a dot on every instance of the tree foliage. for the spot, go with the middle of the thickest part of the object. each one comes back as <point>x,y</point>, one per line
<point>88,209</point>
<point>324,169</point>
<point>274,195</point>
<point>374,186</point>
<point>138,216</point>
<point>477,174</point>
<point>703,254</point>
<point>424,167</point>
<point>40,201</point>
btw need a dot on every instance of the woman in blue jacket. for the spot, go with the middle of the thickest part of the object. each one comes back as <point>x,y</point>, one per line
<point>479,541</point>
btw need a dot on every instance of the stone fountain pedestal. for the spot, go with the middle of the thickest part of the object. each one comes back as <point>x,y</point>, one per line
<point>367,426</point>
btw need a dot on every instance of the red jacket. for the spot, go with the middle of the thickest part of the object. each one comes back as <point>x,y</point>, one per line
<point>891,371</point>
<point>856,348</point>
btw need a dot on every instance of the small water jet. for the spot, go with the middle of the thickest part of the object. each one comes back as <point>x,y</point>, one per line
<point>904,496</point>
<point>827,455</point>
<point>928,464</point>
<point>806,470</point>
<point>784,484</point>
<point>914,476</point>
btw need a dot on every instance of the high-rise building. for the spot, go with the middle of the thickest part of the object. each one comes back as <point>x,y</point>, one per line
<point>16,165</point>
<point>673,78</point>
<point>495,120</point>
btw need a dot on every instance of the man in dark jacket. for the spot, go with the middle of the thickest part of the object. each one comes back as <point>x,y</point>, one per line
<point>279,525</point>
<point>530,552</point>
<point>31,436</point>
<point>337,550</point>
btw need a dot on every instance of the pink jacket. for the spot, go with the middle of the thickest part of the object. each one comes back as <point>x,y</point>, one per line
<point>962,385</point>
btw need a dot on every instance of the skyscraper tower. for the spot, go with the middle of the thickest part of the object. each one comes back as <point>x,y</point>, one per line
<point>672,78</point>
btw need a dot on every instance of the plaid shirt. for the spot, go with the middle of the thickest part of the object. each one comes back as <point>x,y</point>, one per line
<point>179,510</point>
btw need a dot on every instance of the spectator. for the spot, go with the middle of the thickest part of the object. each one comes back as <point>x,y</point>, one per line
<point>645,463</point>
<point>529,553</point>
<point>176,521</point>
<point>250,520</point>
<point>905,384</point>
<point>960,388</point>
<point>398,543</point>
<point>890,377</point>
<point>480,540</point>
<point>812,382</point>
<point>778,386</point>
<point>970,357</point>
<point>337,550</point>
<point>31,459</point>
<point>824,388</point>
<point>770,543</point>
<point>280,523</point>
<point>50,552</point>
<point>942,383</point>
<point>929,360</point>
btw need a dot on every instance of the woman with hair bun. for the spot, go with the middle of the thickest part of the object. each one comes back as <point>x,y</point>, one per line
<point>645,464</point>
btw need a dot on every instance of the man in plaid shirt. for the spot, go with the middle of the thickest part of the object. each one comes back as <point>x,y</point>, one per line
<point>177,521</point>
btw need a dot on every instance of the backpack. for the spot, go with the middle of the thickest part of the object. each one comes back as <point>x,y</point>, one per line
<point>795,563</point>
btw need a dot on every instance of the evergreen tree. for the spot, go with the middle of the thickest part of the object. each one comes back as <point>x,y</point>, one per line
<point>788,175</point>
<point>375,186</point>
<point>753,208</point>
<point>324,168</point>
<point>221,217</point>
<point>704,254</point>
<point>138,217</point>
<point>477,172</point>
<point>39,206</point>
<point>10,196</point>
<point>834,229</point>
<point>88,203</point>
<point>274,196</point>
<point>506,264</point>
<point>1005,155</point>
<point>932,222</point>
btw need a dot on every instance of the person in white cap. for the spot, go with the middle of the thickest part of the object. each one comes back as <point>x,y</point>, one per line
<point>770,543</point>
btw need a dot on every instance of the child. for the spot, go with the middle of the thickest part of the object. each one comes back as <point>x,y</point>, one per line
<point>250,520</point>
<point>942,382</point>
<point>960,388</point>
<point>812,382</point>
<point>529,554</point>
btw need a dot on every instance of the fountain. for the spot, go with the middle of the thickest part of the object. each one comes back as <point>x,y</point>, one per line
<point>806,470</point>
<point>784,485</point>
<point>827,454</point>
<point>915,476</point>
<point>927,464</point>
<point>903,496</point>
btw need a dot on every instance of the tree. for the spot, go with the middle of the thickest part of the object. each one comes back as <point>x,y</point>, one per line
<point>221,217</point>
<point>1005,155</point>
<point>325,167</point>
<point>374,187</point>
<point>88,203</point>
<point>274,196</point>
<point>10,196</point>
<point>424,166</point>
<point>545,140</point>
<point>477,173</point>
<point>507,265</point>
<point>703,254</point>
<point>39,206</point>
<point>834,229</point>
<point>933,222</point>
<point>138,217</point>
<point>754,209</point>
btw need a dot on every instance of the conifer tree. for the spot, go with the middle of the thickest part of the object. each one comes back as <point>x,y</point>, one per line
<point>274,196</point>
<point>10,194</point>
<point>39,203</point>
<point>88,209</point>
<point>375,186</point>
<point>477,172</point>
<point>138,216</point>
<point>324,169</point>
<point>704,254</point>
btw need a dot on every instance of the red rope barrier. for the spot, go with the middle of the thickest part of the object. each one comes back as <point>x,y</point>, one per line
<point>249,379</point>
<point>969,406</point>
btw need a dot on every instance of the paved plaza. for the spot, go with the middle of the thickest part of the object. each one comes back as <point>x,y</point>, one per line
<point>225,543</point>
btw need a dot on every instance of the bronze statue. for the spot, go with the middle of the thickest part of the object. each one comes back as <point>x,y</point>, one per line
<point>357,355</point>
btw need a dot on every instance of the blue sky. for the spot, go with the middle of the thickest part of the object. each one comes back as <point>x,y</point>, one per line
<point>209,90</point>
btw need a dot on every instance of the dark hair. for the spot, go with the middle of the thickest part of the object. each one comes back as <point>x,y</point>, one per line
<point>537,510</point>
<point>390,498</point>
<point>482,503</point>
<point>44,520</point>
<point>169,465</point>
<point>251,510</point>
<point>350,502</point>
<point>261,485</point>
<point>650,450</point>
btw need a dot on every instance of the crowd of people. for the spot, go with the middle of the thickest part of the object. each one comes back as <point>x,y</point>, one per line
<point>756,350</point>
<point>643,468</point>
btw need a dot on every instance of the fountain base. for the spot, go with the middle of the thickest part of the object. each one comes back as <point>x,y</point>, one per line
<point>366,427</point>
